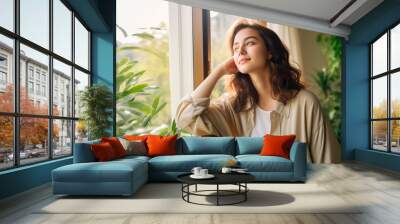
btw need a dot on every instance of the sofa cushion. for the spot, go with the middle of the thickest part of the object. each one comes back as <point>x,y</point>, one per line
<point>116,145</point>
<point>161,145</point>
<point>257,163</point>
<point>112,171</point>
<point>207,145</point>
<point>132,158</point>
<point>83,152</point>
<point>277,145</point>
<point>134,147</point>
<point>185,163</point>
<point>249,145</point>
<point>103,152</point>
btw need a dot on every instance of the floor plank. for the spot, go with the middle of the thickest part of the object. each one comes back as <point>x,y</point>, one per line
<point>376,190</point>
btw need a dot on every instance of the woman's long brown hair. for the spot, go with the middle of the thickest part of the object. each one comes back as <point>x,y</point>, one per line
<point>285,79</point>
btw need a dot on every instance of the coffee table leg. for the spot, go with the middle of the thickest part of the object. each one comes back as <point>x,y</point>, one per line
<point>196,188</point>
<point>188,189</point>
<point>245,193</point>
<point>217,194</point>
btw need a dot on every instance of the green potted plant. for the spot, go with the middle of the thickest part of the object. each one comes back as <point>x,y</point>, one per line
<point>96,102</point>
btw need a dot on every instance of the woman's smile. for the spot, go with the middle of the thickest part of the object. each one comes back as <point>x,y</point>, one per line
<point>244,60</point>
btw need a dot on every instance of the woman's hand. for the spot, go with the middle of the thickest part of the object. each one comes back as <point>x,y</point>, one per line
<point>226,67</point>
<point>230,66</point>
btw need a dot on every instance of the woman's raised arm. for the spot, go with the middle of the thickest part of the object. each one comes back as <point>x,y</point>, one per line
<point>206,87</point>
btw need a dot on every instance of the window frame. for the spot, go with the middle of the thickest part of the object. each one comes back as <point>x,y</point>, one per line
<point>16,114</point>
<point>388,74</point>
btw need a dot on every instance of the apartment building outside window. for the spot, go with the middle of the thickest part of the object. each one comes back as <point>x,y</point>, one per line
<point>37,111</point>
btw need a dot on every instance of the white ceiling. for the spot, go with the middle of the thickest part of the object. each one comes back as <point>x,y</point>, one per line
<point>316,15</point>
<point>319,9</point>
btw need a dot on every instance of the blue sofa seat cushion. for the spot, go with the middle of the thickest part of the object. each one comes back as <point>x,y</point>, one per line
<point>257,163</point>
<point>132,158</point>
<point>184,163</point>
<point>111,171</point>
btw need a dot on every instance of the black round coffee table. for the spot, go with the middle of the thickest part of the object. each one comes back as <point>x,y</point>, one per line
<point>238,179</point>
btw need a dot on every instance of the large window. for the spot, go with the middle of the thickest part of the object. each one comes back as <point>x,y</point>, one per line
<point>385,92</point>
<point>40,80</point>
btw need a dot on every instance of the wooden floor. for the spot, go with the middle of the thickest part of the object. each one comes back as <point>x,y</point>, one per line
<point>378,189</point>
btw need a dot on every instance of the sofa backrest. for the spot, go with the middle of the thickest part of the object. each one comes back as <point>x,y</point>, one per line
<point>83,152</point>
<point>249,145</point>
<point>192,145</point>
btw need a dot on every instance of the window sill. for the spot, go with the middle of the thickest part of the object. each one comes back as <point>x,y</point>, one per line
<point>26,167</point>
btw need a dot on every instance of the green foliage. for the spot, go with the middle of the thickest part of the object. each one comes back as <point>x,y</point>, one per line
<point>172,129</point>
<point>143,88</point>
<point>96,102</point>
<point>133,111</point>
<point>328,80</point>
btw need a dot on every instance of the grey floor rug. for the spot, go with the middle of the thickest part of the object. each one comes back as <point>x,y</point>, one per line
<point>166,198</point>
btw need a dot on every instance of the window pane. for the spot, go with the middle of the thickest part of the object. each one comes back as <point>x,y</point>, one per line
<point>81,81</point>
<point>62,89</point>
<point>62,29</point>
<point>220,24</point>
<point>395,94</point>
<point>33,139</point>
<point>395,47</point>
<point>395,138</point>
<point>62,141</point>
<point>379,55</point>
<point>6,74</point>
<point>379,97</point>
<point>7,14</point>
<point>35,21</point>
<point>81,45</point>
<point>34,72</point>
<point>6,142</point>
<point>81,131</point>
<point>379,135</point>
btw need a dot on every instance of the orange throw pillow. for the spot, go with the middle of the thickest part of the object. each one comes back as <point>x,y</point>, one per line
<point>116,145</point>
<point>161,145</point>
<point>103,151</point>
<point>275,145</point>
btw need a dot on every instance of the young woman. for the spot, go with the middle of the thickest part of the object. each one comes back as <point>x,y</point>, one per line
<point>266,97</point>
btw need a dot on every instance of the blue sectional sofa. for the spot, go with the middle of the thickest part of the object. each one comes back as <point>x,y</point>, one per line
<point>125,176</point>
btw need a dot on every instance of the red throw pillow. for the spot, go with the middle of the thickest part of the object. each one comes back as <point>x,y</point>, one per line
<point>116,145</point>
<point>103,151</point>
<point>161,145</point>
<point>275,145</point>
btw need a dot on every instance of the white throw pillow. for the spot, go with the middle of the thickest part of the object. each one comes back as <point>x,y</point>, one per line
<point>134,147</point>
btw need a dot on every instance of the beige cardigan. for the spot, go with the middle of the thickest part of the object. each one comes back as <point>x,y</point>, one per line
<point>301,116</point>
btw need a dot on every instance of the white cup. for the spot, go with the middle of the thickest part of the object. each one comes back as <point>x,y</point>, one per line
<point>196,170</point>
<point>226,170</point>
<point>203,172</point>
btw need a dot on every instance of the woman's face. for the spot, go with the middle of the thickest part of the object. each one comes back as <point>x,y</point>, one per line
<point>249,51</point>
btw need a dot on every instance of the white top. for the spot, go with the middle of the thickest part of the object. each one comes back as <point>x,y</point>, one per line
<point>262,123</point>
